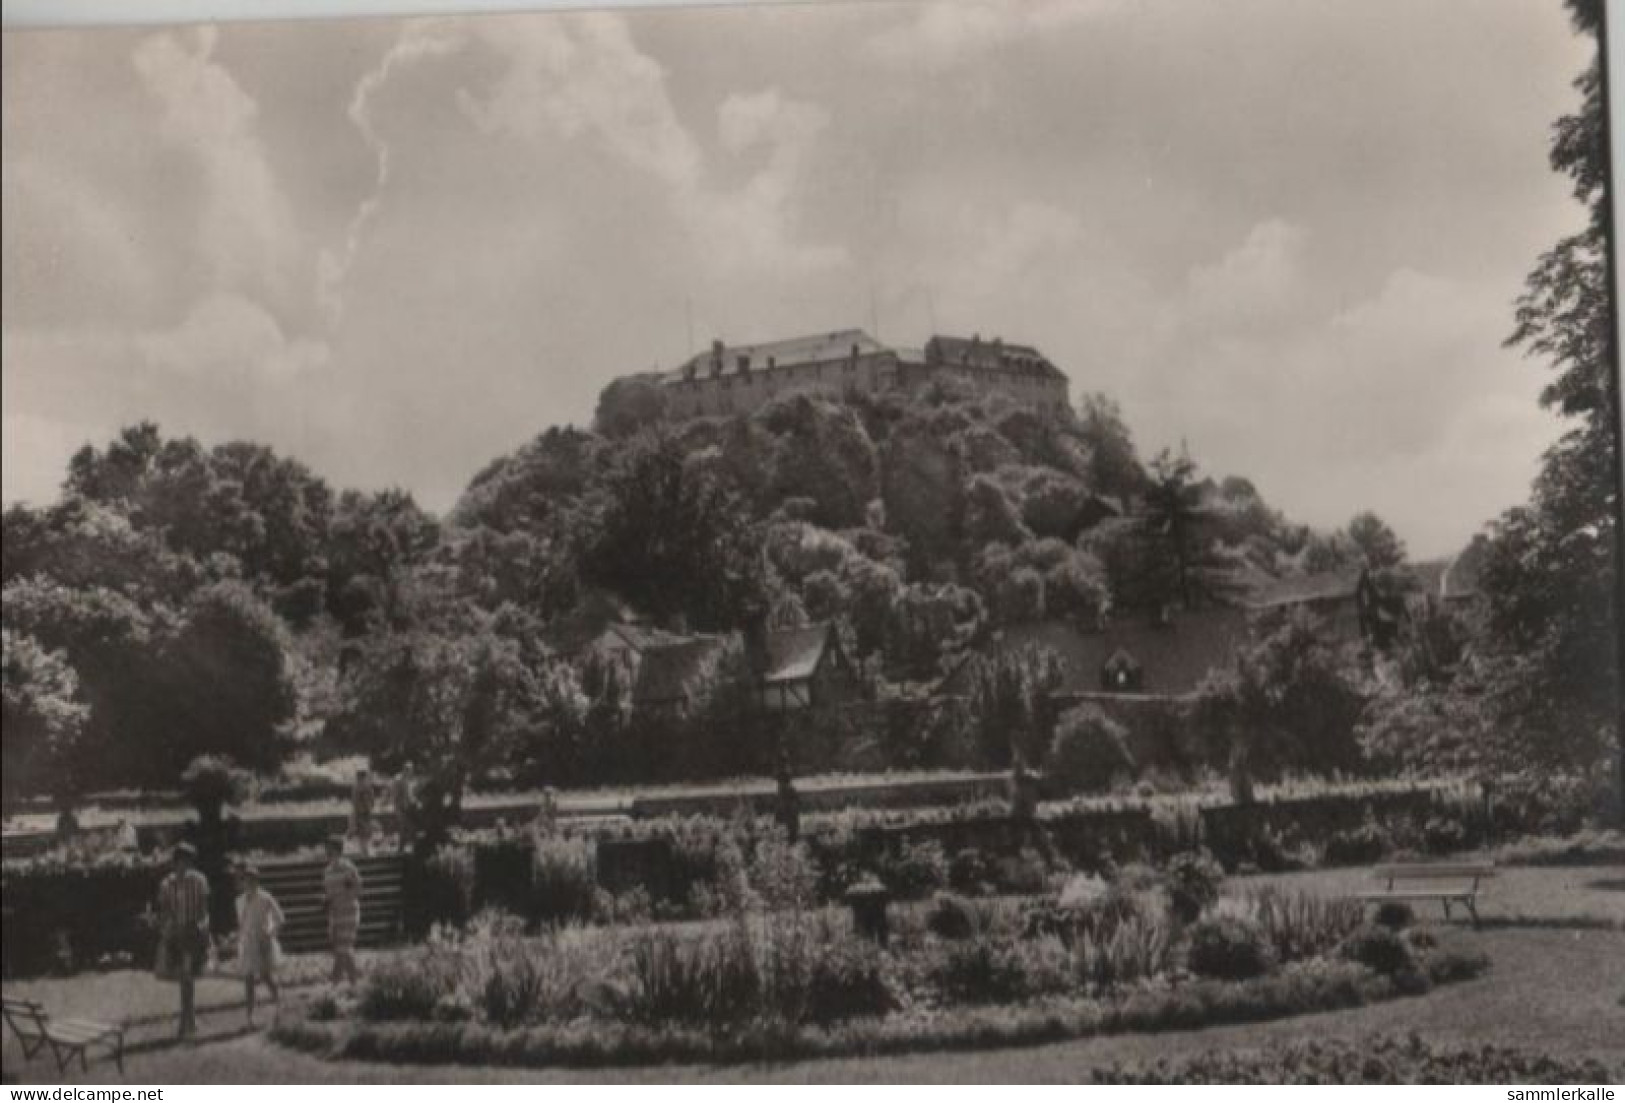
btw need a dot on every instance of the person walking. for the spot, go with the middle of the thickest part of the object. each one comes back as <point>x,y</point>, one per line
<point>341,883</point>
<point>363,800</point>
<point>183,930</point>
<point>403,798</point>
<point>259,918</point>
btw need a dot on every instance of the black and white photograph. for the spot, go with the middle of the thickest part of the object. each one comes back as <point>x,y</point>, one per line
<point>851,541</point>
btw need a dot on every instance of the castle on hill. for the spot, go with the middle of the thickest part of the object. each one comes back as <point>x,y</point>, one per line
<point>734,379</point>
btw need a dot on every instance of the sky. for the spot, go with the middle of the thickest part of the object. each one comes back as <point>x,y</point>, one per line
<point>1286,234</point>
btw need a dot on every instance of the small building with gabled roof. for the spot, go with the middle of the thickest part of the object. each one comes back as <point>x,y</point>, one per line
<point>805,668</point>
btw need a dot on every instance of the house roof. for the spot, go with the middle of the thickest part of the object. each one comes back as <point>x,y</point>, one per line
<point>793,654</point>
<point>642,637</point>
<point>1173,658</point>
<point>1305,589</point>
<point>672,671</point>
<point>596,612</point>
<point>815,348</point>
<point>977,353</point>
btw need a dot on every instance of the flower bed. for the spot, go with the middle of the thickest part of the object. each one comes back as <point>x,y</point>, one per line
<point>793,983</point>
<point>1381,1060</point>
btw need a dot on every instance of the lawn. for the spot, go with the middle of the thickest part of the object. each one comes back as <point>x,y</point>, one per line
<point>1556,985</point>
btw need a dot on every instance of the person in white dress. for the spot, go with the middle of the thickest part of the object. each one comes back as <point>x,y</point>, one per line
<point>259,918</point>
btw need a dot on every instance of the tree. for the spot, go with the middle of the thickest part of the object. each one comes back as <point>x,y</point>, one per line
<point>820,452</point>
<point>1378,546</point>
<point>629,404</point>
<point>113,646</point>
<point>238,499</point>
<point>675,541</point>
<point>990,515</point>
<point>923,494</point>
<point>929,625</point>
<point>44,721</point>
<point>1114,465</point>
<point>1012,705</point>
<point>455,704</point>
<point>1553,571</point>
<point>1166,554</point>
<point>1177,564</point>
<point>1284,702</point>
<point>227,684</point>
<point>375,542</point>
<point>1090,752</point>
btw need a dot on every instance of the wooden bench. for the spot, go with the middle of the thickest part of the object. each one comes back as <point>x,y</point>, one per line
<point>1448,884</point>
<point>68,1038</point>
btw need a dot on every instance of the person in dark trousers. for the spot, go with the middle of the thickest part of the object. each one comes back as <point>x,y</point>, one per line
<point>183,931</point>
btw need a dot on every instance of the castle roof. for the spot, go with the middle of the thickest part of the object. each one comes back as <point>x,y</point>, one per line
<point>816,348</point>
<point>996,354</point>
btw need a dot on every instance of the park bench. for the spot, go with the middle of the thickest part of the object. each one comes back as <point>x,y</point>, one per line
<point>1447,883</point>
<point>68,1038</point>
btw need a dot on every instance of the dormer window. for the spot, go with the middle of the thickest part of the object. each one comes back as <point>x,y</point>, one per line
<point>1121,673</point>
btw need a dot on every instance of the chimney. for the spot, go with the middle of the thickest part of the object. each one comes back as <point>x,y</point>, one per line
<point>716,357</point>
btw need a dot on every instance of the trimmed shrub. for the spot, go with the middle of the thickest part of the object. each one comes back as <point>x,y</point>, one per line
<point>951,917</point>
<point>1136,949</point>
<point>410,987</point>
<point>1192,881</point>
<point>1441,835</point>
<point>848,980</point>
<point>1229,948</point>
<point>708,979</point>
<point>1367,843</point>
<point>1025,873</point>
<point>993,970</point>
<point>914,871</point>
<point>1090,752</point>
<point>783,874</point>
<point>1395,915</point>
<point>970,873</point>
<point>563,879</point>
<point>1303,925</point>
<point>447,886</point>
<point>1380,949</point>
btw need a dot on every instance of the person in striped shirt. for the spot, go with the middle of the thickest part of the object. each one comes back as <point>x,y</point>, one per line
<point>183,930</point>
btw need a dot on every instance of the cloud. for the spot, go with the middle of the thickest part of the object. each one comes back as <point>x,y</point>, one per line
<point>246,228</point>
<point>226,335</point>
<point>751,228</point>
<point>35,450</point>
<point>1260,280</point>
<point>71,251</point>
<point>1378,403</point>
<point>419,40</point>
<point>943,33</point>
<point>581,78</point>
<point>582,74</point>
